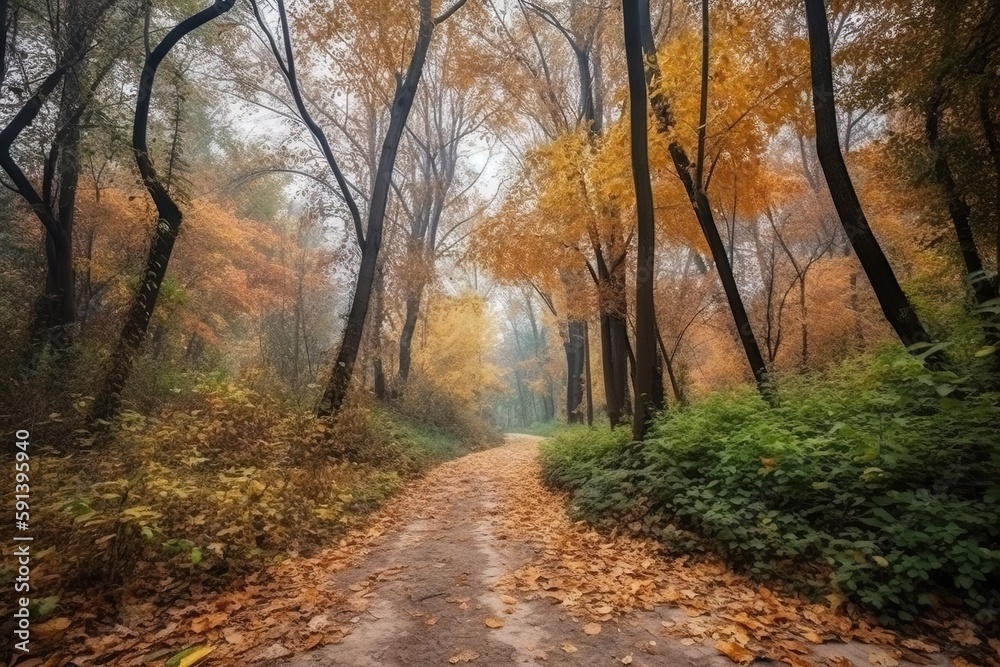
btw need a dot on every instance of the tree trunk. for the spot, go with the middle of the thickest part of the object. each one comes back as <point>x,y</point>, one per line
<point>589,385</point>
<point>406,336</point>
<point>343,367</point>
<point>575,369</point>
<point>958,208</point>
<point>133,333</point>
<point>699,199</point>
<point>895,305</point>
<point>993,143</point>
<point>645,317</point>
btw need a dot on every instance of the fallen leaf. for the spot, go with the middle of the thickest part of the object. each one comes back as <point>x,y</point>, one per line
<point>965,637</point>
<point>881,659</point>
<point>273,652</point>
<point>839,661</point>
<point>189,657</point>
<point>494,622</point>
<point>735,652</point>
<point>51,628</point>
<point>592,628</point>
<point>918,645</point>
<point>463,656</point>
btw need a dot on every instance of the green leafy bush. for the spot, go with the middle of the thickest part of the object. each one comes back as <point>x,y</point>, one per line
<point>873,479</point>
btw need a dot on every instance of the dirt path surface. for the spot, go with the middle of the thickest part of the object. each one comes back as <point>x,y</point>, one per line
<point>485,568</point>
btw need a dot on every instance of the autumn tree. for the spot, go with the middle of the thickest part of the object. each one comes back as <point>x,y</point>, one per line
<point>168,223</point>
<point>895,304</point>
<point>81,64</point>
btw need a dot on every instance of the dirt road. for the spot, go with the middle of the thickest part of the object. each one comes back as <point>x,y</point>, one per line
<point>486,569</point>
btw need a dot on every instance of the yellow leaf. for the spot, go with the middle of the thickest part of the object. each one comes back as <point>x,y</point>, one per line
<point>190,657</point>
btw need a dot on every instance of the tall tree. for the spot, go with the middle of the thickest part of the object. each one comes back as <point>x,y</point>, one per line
<point>895,305</point>
<point>75,37</point>
<point>645,314</point>
<point>168,224</point>
<point>694,184</point>
<point>369,236</point>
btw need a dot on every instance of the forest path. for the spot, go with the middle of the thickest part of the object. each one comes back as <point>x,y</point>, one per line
<point>483,566</point>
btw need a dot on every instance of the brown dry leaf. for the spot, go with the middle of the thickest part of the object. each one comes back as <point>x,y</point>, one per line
<point>919,645</point>
<point>209,621</point>
<point>735,652</point>
<point>592,628</point>
<point>569,648</point>
<point>51,628</point>
<point>839,661</point>
<point>965,636</point>
<point>463,656</point>
<point>494,622</point>
<point>233,637</point>
<point>882,659</point>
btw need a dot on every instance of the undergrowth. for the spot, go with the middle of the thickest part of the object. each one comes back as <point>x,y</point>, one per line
<point>873,481</point>
<point>220,483</point>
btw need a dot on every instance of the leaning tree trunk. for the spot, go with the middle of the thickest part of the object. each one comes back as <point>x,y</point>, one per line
<point>57,243</point>
<point>958,208</point>
<point>993,144</point>
<point>343,367</point>
<point>895,305</point>
<point>645,317</point>
<point>696,192</point>
<point>168,223</point>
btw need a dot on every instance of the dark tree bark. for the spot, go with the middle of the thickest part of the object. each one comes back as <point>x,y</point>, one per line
<point>574,347</point>
<point>57,242</point>
<point>993,144</point>
<point>958,208</point>
<point>4,29</point>
<point>612,298</point>
<point>343,367</point>
<point>895,305</point>
<point>169,218</point>
<point>589,384</point>
<point>645,316</point>
<point>696,191</point>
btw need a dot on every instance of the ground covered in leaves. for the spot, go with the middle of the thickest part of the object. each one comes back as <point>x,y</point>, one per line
<point>477,562</point>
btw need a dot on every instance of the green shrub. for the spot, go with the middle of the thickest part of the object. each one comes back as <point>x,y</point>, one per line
<point>872,480</point>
